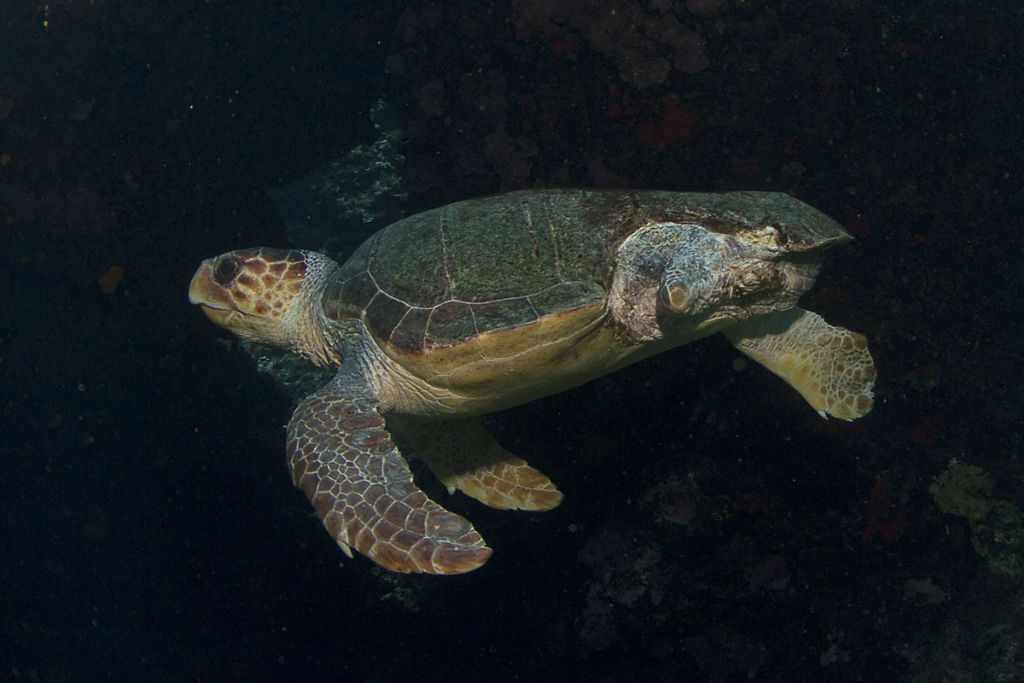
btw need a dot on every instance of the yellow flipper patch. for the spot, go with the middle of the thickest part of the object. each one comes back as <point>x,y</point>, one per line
<point>830,366</point>
<point>464,456</point>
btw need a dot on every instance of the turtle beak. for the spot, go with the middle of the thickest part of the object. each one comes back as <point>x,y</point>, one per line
<point>209,296</point>
<point>219,316</point>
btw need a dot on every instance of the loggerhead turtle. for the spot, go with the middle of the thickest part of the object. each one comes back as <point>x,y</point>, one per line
<point>488,303</point>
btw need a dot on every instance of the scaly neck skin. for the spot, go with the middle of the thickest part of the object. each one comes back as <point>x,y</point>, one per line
<point>310,332</point>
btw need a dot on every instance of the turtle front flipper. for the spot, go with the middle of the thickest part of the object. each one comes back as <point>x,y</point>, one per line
<point>830,366</point>
<point>464,456</point>
<point>344,460</point>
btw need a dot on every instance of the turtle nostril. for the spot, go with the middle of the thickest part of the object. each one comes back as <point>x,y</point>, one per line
<point>226,270</point>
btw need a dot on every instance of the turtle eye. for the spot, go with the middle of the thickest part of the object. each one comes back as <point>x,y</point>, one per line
<point>226,270</point>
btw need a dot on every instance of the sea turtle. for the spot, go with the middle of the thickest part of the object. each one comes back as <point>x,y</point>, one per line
<point>488,303</point>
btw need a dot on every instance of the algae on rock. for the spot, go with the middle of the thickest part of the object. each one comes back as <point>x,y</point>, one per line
<point>997,533</point>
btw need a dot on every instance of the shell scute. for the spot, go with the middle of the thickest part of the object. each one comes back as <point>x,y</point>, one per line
<point>411,330</point>
<point>450,323</point>
<point>566,296</point>
<point>502,314</point>
<point>383,315</point>
<point>358,291</point>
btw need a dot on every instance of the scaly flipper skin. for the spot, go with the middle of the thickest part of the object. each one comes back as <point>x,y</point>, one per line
<point>830,366</point>
<point>344,460</point>
<point>464,456</point>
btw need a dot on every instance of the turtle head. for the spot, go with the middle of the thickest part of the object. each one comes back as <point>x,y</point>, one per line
<point>271,296</point>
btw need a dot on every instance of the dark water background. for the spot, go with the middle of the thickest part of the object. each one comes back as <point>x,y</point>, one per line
<point>714,527</point>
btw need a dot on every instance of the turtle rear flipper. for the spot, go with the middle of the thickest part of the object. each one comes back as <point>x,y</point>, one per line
<point>830,366</point>
<point>464,456</point>
<point>344,460</point>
